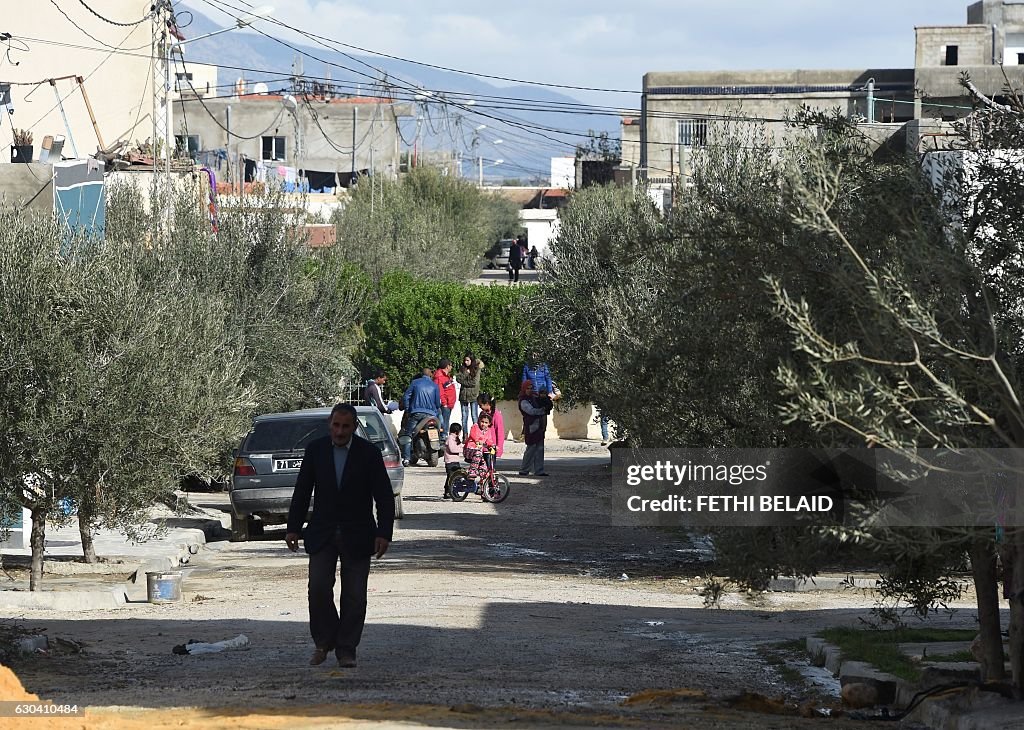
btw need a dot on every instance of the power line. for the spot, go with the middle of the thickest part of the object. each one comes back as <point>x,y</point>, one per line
<point>529,128</point>
<point>442,68</point>
<point>85,32</point>
<point>114,22</point>
<point>61,100</point>
<point>230,131</point>
<point>536,130</point>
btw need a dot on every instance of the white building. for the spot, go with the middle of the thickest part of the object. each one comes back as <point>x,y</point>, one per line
<point>115,70</point>
<point>563,172</point>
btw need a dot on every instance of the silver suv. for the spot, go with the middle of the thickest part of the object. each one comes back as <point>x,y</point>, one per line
<point>267,464</point>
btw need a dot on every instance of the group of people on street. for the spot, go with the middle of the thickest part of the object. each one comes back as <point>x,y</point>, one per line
<point>519,256</point>
<point>344,477</point>
<point>433,394</point>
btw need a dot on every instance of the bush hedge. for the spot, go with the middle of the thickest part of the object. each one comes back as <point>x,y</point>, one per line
<point>416,323</point>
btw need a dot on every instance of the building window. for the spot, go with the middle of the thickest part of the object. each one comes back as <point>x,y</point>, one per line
<point>187,145</point>
<point>1020,59</point>
<point>951,55</point>
<point>183,81</point>
<point>693,132</point>
<point>273,148</point>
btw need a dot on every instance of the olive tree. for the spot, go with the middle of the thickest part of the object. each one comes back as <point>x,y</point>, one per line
<point>426,223</point>
<point>932,353</point>
<point>110,386</point>
<point>129,365</point>
<point>667,324</point>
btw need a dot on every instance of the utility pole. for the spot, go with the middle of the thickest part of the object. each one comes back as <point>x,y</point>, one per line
<point>355,118</point>
<point>643,136</point>
<point>231,162</point>
<point>871,101</point>
<point>162,126</point>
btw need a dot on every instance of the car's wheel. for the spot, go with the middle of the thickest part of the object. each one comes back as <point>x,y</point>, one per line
<point>399,512</point>
<point>240,528</point>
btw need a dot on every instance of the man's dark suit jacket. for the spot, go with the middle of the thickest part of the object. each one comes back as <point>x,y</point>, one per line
<point>364,482</point>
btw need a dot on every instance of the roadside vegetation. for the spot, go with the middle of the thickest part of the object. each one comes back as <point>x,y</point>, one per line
<point>128,366</point>
<point>880,648</point>
<point>427,224</point>
<point>821,296</point>
<point>414,323</point>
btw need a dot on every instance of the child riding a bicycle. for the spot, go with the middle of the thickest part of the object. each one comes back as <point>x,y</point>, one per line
<point>479,446</point>
<point>480,476</point>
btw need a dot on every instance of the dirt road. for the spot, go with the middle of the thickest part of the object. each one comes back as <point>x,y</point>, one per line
<point>480,616</point>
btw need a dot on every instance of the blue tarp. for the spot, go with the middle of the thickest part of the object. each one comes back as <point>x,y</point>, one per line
<point>79,196</point>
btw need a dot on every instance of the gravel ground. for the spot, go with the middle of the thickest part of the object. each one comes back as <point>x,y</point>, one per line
<point>481,615</point>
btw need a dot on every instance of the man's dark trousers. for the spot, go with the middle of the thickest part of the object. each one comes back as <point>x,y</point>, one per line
<point>330,631</point>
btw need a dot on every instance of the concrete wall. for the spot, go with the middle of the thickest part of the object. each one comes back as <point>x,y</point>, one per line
<point>762,97</point>
<point>929,135</point>
<point>996,12</point>
<point>27,185</point>
<point>563,172</point>
<point>943,83</point>
<point>630,137</point>
<point>117,84</point>
<point>255,116</point>
<point>541,226</point>
<point>974,45</point>
<point>203,82</point>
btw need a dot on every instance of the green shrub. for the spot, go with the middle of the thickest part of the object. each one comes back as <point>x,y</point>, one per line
<point>416,323</point>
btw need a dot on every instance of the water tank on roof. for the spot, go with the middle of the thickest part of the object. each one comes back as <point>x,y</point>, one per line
<point>260,88</point>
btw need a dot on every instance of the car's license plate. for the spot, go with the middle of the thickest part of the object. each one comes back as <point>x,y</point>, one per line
<point>287,464</point>
<point>432,434</point>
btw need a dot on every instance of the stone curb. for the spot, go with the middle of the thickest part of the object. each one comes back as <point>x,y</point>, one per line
<point>970,710</point>
<point>63,600</point>
<point>175,553</point>
<point>821,583</point>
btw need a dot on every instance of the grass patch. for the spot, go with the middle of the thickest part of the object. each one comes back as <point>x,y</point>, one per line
<point>880,647</point>
<point>779,654</point>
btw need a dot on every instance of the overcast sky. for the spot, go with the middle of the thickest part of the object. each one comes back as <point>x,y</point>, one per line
<point>612,44</point>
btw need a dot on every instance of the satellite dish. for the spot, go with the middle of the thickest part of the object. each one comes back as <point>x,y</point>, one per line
<point>260,88</point>
<point>289,102</point>
<point>240,86</point>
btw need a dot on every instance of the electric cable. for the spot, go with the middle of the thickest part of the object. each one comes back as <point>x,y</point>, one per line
<point>467,109</point>
<point>114,22</point>
<point>230,131</point>
<point>147,44</point>
<point>443,68</point>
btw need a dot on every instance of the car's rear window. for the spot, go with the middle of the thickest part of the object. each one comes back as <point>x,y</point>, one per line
<point>374,432</point>
<point>286,434</point>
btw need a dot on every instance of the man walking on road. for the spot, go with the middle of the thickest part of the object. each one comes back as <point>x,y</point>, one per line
<point>515,260</point>
<point>347,476</point>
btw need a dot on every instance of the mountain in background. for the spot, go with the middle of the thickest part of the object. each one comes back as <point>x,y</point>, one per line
<point>529,136</point>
